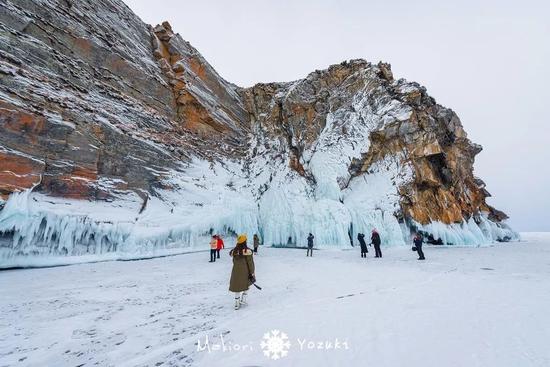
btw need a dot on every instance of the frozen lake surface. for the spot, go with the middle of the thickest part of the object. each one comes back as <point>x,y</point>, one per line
<point>486,306</point>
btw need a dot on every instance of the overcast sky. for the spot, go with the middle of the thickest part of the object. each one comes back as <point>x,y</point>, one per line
<point>487,60</point>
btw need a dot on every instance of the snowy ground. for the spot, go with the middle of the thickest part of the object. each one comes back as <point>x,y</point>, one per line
<point>484,306</point>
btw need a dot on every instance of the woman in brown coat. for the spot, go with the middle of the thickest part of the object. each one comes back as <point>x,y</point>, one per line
<point>242,272</point>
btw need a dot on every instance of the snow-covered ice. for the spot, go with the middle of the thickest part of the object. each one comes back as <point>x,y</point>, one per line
<point>463,306</point>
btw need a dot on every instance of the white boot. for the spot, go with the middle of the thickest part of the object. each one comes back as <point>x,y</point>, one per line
<point>237,302</point>
<point>243,298</point>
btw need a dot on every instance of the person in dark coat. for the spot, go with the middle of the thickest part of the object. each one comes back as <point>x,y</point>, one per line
<point>243,271</point>
<point>256,242</point>
<point>361,239</point>
<point>375,240</point>
<point>418,244</point>
<point>310,245</point>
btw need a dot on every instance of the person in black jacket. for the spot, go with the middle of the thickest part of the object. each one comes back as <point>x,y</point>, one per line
<point>375,239</point>
<point>418,244</point>
<point>310,245</point>
<point>361,239</point>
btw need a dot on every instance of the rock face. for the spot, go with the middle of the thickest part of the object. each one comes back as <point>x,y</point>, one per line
<point>99,110</point>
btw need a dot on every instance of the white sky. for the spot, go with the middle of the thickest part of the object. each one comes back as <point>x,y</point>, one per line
<point>487,60</point>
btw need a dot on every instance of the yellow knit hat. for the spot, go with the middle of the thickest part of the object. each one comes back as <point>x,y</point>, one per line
<point>241,239</point>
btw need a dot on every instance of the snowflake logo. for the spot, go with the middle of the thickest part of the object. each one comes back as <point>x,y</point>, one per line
<point>275,344</point>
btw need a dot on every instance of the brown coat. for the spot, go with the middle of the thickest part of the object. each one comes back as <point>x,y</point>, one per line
<point>239,274</point>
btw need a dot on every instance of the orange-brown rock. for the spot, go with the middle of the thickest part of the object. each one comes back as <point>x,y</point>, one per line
<point>444,187</point>
<point>193,80</point>
<point>18,172</point>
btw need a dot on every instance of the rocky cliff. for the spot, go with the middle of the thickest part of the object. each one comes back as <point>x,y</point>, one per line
<point>119,137</point>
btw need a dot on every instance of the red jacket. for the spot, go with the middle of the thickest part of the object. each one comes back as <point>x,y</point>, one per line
<point>220,244</point>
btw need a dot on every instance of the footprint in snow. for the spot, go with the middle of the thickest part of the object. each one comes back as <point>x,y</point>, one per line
<point>347,295</point>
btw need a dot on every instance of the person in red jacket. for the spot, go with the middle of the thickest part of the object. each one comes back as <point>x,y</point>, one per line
<point>220,245</point>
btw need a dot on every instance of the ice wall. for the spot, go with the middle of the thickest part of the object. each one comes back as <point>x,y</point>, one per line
<point>373,200</point>
<point>472,232</point>
<point>204,200</point>
<point>289,211</point>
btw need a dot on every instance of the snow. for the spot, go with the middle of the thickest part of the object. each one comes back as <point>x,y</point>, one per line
<point>463,306</point>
